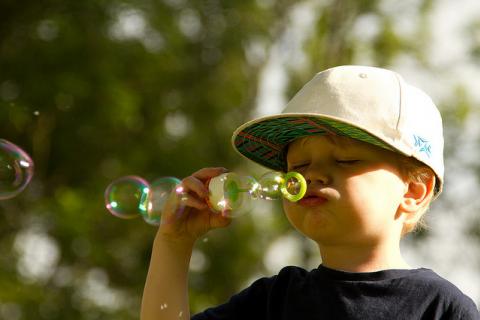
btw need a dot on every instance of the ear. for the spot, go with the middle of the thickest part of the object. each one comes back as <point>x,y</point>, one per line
<point>416,199</point>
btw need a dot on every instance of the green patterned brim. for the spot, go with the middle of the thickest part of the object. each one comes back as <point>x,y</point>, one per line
<point>264,141</point>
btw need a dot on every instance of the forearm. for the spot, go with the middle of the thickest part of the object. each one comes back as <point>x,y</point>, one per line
<point>165,294</point>
<point>166,290</point>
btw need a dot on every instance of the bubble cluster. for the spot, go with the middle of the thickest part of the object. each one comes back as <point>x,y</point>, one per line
<point>275,185</point>
<point>132,197</point>
<point>16,169</point>
<point>230,194</point>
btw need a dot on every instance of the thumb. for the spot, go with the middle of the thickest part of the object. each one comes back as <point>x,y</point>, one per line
<point>220,220</point>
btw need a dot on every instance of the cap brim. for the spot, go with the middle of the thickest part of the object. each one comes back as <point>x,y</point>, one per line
<point>263,140</point>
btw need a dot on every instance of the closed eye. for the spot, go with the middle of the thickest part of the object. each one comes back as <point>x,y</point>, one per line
<point>298,166</point>
<point>347,162</point>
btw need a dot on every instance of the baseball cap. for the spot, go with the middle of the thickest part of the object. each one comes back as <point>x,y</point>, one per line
<point>369,104</point>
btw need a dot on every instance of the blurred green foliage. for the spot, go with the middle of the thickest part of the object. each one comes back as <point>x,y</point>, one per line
<point>98,89</point>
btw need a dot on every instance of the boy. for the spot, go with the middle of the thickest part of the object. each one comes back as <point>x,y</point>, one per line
<point>370,147</point>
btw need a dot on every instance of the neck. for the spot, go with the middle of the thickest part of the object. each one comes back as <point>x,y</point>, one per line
<point>362,258</point>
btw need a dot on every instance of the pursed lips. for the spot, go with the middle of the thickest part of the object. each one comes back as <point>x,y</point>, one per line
<point>312,199</point>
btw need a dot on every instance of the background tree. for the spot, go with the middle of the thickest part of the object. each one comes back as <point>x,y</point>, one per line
<point>95,90</point>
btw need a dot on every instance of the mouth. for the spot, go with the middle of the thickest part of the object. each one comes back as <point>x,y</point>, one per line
<point>312,201</point>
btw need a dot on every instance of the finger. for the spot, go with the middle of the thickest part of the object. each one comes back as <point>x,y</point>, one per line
<point>195,185</point>
<point>178,208</point>
<point>206,173</point>
<point>226,214</point>
<point>220,220</point>
<point>183,200</point>
<point>187,200</point>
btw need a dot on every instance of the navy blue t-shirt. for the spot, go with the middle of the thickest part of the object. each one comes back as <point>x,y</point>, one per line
<point>325,293</point>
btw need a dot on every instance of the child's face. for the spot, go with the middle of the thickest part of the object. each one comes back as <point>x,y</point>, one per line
<point>354,191</point>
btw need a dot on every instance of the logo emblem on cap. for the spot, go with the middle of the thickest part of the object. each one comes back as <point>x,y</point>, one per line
<point>422,145</point>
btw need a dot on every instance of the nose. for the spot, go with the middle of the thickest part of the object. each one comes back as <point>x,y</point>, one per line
<point>317,174</point>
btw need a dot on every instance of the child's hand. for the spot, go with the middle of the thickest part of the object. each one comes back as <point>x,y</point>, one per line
<point>186,216</point>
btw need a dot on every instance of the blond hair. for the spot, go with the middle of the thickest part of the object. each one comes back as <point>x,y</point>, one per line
<point>413,170</point>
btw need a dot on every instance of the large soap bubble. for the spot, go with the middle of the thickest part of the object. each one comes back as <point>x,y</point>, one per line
<point>127,197</point>
<point>16,169</point>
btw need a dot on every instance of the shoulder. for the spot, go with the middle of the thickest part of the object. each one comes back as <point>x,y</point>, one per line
<point>294,274</point>
<point>441,292</point>
<point>287,278</point>
<point>285,275</point>
<point>293,271</point>
<point>428,279</point>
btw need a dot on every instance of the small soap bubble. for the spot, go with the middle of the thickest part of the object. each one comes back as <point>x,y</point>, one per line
<point>293,186</point>
<point>16,169</point>
<point>127,197</point>
<point>160,190</point>
<point>271,183</point>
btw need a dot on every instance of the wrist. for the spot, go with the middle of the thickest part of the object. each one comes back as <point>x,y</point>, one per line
<point>176,243</point>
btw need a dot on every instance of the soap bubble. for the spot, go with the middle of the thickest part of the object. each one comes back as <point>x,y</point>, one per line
<point>270,184</point>
<point>294,187</point>
<point>231,194</point>
<point>275,185</point>
<point>16,169</point>
<point>127,197</point>
<point>160,190</point>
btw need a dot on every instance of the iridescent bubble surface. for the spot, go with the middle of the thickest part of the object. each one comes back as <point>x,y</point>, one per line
<point>294,187</point>
<point>160,191</point>
<point>275,185</point>
<point>16,169</point>
<point>270,184</point>
<point>231,194</point>
<point>127,197</point>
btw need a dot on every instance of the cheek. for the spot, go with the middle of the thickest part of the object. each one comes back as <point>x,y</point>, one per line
<point>288,209</point>
<point>293,214</point>
<point>376,193</point>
